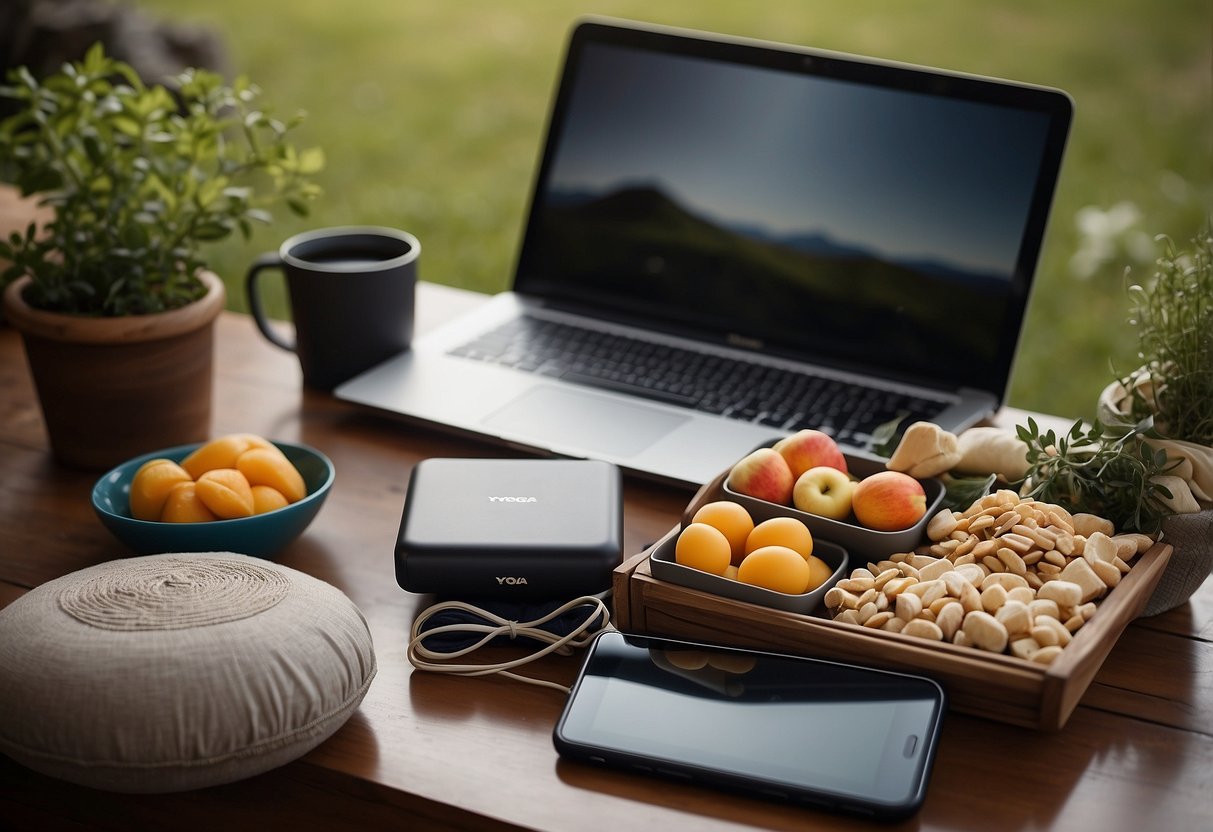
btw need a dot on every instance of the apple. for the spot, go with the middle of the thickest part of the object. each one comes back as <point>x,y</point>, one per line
<point>824,491</point>
<point>807,449</point>
<point>888,501</point>
<point>764,475</point>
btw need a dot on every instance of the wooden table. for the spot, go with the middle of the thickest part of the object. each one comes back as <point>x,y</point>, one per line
<point>429,751</point>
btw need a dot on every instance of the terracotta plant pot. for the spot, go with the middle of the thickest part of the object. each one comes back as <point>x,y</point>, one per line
<point>113,388</point>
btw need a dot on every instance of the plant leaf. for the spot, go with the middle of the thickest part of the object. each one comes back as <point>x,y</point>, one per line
<point>140,179</point>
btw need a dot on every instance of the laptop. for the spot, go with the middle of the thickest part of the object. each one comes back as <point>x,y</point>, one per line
<point>731,240</point>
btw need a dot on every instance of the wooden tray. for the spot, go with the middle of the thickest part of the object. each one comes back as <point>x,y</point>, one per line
<point>995,686</point>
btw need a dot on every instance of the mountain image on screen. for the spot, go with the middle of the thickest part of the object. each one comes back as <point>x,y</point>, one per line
<point>636,241</point>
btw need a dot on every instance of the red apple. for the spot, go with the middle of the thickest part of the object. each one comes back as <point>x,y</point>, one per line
<point>824,491</point>
<point>763,474</point>
<point>889,501</point>
<point>807,449</point>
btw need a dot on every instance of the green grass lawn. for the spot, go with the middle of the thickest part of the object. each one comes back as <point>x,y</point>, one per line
<point>431,114</point>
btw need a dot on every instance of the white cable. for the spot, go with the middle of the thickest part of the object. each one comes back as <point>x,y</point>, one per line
<point>423,658</point>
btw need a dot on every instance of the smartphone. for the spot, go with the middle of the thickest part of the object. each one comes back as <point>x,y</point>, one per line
<point>809,731</point>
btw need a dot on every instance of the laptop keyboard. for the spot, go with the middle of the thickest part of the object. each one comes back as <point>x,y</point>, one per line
<point>729,387</point>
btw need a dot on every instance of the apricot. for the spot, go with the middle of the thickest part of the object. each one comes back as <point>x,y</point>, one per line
<point>262,466</point>
<point>183,506</point>
<point>226,492</point>
<point>819,572</point>
<point>701,546</point>
<point>150,487</point>
<point>776,568</point>
<point>730,518</point>
<point>218,453</point>
<point>255,441</point>
<point>266,499</point>
<point>781,531</point>
<point>268,467</point>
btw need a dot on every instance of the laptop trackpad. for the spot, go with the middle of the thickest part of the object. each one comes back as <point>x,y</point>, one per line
<point>574,420</point>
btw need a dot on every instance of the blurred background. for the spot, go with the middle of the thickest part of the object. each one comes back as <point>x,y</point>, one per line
<point>431,114</point>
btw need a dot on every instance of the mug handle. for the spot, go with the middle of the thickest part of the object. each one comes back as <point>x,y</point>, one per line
<point>265,261</point>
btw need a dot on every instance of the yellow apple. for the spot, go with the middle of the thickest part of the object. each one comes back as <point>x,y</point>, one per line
<point>824,491</point>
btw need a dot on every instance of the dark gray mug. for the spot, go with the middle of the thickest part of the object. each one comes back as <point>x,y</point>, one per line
<point>351,293</point>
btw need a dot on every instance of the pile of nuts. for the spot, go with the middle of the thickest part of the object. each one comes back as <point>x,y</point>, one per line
<point>1007,574</point>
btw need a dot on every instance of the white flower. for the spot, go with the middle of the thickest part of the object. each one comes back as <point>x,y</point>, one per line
<point>1105,236</point>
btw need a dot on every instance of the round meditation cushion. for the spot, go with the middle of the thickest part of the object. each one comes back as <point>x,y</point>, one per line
<point>180,671</point>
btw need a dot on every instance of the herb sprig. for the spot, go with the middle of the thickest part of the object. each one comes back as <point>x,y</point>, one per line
<point>1092,470</point>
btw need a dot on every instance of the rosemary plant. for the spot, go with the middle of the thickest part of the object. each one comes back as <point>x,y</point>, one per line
<point>1173,316</point>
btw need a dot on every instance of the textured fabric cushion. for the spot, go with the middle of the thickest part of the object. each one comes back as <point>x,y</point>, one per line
<point>175,672</point>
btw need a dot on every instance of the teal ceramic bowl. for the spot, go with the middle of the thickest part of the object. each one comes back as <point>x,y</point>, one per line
<point>263,535</point>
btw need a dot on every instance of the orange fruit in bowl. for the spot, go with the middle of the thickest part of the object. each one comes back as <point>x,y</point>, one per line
<point>221,452</point>
<point>704,547</point>
<point>226,492</point>
<point>183,506</point>
<point>269,466</point>
<point>781,531</point>
<point>730,518</point>
<point>266,499</point>
<point>151,485</point>
<point>776,568</point>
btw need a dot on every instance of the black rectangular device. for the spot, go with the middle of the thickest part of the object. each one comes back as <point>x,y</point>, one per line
<point>517,529</point>
<point>820,733</point>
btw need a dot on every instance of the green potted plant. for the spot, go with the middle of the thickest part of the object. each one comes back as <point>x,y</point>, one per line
<point>1147,461</point>
<point>112,295</point>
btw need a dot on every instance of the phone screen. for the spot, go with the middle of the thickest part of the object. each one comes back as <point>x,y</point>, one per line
<point>832,734</point>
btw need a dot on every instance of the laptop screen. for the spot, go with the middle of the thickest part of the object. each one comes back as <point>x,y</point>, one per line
<point>862,215</point>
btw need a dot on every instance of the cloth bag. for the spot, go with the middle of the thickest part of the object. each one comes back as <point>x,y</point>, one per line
<point>1190,529</point>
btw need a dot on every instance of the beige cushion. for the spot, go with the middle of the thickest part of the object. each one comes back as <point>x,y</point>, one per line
<point>175,672</point>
